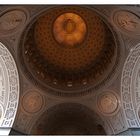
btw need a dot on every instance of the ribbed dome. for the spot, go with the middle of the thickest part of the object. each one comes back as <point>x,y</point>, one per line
<point>68,48</point>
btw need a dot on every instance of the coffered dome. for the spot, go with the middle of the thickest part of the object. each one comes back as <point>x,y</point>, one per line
<point>68,48</point>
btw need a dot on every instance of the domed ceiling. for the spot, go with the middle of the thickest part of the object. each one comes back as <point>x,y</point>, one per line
<point>68,119</point>
<point>68,48</point>
<point>61,53</point>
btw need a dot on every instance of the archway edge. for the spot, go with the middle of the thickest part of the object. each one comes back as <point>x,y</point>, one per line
<point>128,95</point>
<point>10,88</point>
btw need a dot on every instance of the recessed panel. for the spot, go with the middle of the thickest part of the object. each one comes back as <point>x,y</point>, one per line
<point>127,22</point>
<point>11,21</point>
<point>108,103</point>
<point>32,102</point>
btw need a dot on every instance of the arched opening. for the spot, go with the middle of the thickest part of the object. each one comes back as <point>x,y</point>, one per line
<point>68,119</point>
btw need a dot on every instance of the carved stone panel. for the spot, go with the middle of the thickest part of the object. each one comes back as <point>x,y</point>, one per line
<point>11,21</point>
<point>32,102</point>
<point>9,88</point>
<point>127,22</point>
<point>108,103</point>
<point>130,87</point>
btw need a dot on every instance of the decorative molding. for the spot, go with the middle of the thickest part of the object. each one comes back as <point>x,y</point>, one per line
<point>130,42</point>
<point>128,90</point>
<point>9,87</point>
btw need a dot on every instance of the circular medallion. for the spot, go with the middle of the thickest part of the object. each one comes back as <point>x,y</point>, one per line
<point>107,102</point>
<point>127,21</point>
<point>69,29</point>
<point>32,102</point>
<point>11,20</point>
<point>9,87</point>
